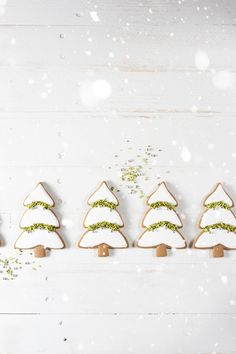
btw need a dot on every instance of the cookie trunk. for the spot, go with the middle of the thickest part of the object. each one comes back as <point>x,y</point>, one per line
<point>103,250</point>
<point>218,251</point>
<point>161,250</point>
<point>39,251</point>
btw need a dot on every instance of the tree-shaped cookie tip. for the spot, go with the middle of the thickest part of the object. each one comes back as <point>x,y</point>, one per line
<point>103,223</point>
<point>39,223</point>
<point>218,223</point>
<point>161,223</point>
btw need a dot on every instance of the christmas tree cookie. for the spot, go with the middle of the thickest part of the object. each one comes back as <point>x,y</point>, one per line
<point>162,223</point>
<point>103,223</point>
<point>218,223</point>
<point>39,224</point>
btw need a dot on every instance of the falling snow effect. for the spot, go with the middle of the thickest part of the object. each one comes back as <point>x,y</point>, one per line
<point>152,62</point>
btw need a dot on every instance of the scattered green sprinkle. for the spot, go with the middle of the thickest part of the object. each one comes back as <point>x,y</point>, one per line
<point>33,227</point>
<point>9,271</point>
<point>145,160</point>
<point>219,204</point>
<point>131,173</point>
<point>103,203</point>
<point>34,204</point>
<point>11,267</point>
<point>104,225</point>
<point>220,225</point>
<point>162,204</point>
<point>159,224</point>
<point>136,167</point>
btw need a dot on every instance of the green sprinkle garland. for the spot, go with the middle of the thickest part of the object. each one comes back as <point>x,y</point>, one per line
<point>162,204</point>
<point>104,203</point>
<point>34,204</point>
<point>34,227</point>
<point>104,225</point>
<point>220,225</point>
<point>219,204</point>
<point>167,224</point>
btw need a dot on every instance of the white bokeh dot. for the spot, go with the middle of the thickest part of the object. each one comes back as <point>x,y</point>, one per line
<point>91,93</point>
<point>202,61</point>
<point>223,80</point>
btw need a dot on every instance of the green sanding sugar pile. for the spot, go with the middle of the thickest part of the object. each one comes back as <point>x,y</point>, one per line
<point>11,267</point>
<point>135,167</point>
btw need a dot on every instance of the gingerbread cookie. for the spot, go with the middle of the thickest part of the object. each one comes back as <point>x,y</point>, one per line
<point>218,223</point>
<point>162,223</point>
<point>39,224</point>
<point>103,223</point>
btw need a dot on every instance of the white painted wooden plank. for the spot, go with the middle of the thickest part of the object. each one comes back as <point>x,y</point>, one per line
<point>131,92</point>
<point>84,142</point>
<point>64,48</point>
<point>99,287</point>
<point>65,115</point>
<point>185,334</point>
<point>73,259</point>
<point>120,13</point>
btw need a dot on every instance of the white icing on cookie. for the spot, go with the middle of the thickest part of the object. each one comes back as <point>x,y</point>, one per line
<point>219,195</point>
<point>218,215</point>
<point>161,214</point>
<point>103,193</point>
<point>39,215</point>
<point>216,237</point>
<point>99,214</point>
<point>95,238</point>
<point>39,237</point>
<point>162,195</point>
<point>159,236</point>
<point>39,194</point>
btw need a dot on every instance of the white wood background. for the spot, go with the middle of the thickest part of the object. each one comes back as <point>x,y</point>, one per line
<point>50,51</point>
